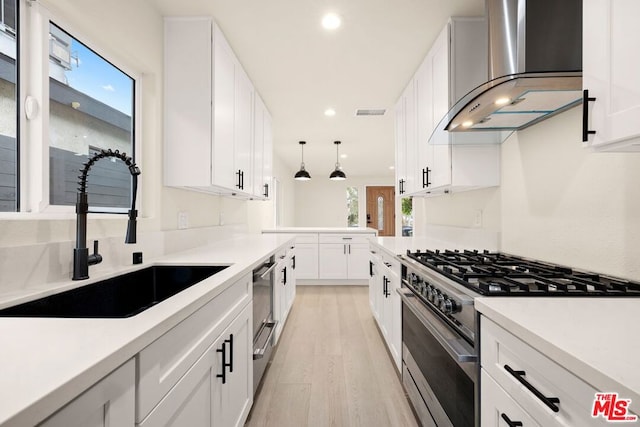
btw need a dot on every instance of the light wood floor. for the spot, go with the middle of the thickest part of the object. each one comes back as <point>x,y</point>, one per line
<point>331,367</point>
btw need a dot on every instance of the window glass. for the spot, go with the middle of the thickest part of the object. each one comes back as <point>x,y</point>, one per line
<point>407,216</point>
<point>380,213</point>
<point>352,206</point>
<point>8,108</point>
<point>91,107</point>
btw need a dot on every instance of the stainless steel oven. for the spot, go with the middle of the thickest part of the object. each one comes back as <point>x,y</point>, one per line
<point>263,324</point>
<point>439,368</point>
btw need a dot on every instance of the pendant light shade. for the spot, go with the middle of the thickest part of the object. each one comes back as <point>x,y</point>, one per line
<point>337,174</point>
<point>302,174</point>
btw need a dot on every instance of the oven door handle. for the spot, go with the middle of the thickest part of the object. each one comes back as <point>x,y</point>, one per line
<point>457,348</point>
<point>259,353</point>
<point>271,267</point>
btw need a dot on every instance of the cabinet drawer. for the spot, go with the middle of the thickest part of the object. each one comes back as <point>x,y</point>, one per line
<point>496,404</point>
<point>345,238</point>
<point>501,352</point>
<point>166,360</point>
<point>307,238</point>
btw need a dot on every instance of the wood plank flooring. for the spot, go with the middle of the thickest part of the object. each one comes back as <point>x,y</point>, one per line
<point>331,367</point>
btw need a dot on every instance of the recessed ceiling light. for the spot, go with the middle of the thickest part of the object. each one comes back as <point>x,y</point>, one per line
<point>329,112</point>
<point>392,167</point>
<point>331,21</point>
<point>343,156</point>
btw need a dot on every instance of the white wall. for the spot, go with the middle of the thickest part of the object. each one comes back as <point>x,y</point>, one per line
<point>323,203</point>
<point>558,201</point>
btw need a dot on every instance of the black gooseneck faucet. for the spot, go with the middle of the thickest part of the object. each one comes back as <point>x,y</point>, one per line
<point>81,258</point>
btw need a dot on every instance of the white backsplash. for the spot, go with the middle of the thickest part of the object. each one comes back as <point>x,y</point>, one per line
<point>29,269</point>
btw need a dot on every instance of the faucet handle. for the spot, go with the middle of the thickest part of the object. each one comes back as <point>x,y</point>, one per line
<point>95,257</point>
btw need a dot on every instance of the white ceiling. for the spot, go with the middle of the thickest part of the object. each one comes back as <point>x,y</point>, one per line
<point>300,69</point>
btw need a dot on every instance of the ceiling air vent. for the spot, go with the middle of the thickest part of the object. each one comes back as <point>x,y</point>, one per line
<point>370,112</point>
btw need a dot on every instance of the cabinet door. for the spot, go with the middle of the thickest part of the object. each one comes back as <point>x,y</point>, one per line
<point>306,261</point>
<point>401,146</point>
<point>223,113</point>
<point>110,402</point>
<point>411,129</point>
<point>496,404</point>
<point>610,73</point>
<point>243,128</point>
<point>267,172</point>
<point>332,261</point>
<point>187,101</point>
<point>374,278</point>
<point>385,306</point>
<point>358,260</point>
<point>258,147</point>
<point>424,111</point>
<point>293,277</point>
<point>395,320</point>
<point>233,399</point>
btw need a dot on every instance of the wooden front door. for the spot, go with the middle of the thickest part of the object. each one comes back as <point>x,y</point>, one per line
<point>381,210</point>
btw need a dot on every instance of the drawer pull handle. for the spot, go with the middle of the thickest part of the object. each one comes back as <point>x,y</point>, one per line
<point>223,375</point>
<point>551,402</point>
<point>511,423</point>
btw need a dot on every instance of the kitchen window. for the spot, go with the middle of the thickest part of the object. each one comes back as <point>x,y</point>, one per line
<point>8,107</point>
<point>352,206</point>
<point>90,108</point>
<point>76,100</point>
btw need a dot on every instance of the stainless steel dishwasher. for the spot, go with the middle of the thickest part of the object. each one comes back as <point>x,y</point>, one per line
<point>263,324</point>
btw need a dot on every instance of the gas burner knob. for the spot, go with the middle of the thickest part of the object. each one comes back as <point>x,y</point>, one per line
<point>448,306</point>
<point>440,299</point>
<point>431,293</point>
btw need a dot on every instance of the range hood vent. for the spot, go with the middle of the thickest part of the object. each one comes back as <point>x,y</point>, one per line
<point>535,67</point>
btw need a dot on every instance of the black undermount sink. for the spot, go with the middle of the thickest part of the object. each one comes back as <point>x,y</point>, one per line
<point>121,296</point>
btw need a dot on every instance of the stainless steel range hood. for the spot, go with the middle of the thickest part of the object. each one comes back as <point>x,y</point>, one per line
<point>535,67</point>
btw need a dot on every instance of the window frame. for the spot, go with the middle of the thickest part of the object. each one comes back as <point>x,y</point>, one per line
<point>33,134</point>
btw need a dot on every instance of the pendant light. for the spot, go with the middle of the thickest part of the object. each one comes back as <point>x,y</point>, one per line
<point>302,174</point>
<point>337,174</point>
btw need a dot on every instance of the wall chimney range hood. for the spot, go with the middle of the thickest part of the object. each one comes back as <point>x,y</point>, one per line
<point>535,67</point>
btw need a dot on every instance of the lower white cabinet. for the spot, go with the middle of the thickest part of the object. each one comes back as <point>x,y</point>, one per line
<point>284,287</point>
<point>200,373</point>
<point>307,261</point>
<point>218,389</point>
<point>385,302</point>
<point>108,403</point>
<point>343,257</point>
<point>499,409</point>
<point>539,388</point>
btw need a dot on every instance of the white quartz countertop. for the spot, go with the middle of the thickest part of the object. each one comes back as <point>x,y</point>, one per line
<point>341,230</point>
<point>597,339</point>
<point>46,362</point>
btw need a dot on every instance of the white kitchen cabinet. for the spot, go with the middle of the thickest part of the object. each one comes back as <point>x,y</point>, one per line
<point>511,363</point>
<point>108,403</point>
<point>209,112</point>
<point>610,73</point>
<point>262,149</point>
<point>406,135</point>
<point>343,257</point>
<point>307,256</point>
<point>385,301</point>
<point>438,161</point>
<point>218,389</point>
<point>499,409</point>
<point>171,370</point>
<point>284,288</point>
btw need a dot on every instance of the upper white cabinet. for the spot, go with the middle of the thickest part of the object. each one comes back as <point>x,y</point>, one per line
<point>210,114</point>
<point>431,160</point>
<point>610,74</point>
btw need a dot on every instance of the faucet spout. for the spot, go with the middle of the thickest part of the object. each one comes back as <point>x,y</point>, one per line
<point>81,258</point>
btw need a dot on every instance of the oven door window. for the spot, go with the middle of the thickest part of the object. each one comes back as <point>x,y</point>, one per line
<point>451,385</point>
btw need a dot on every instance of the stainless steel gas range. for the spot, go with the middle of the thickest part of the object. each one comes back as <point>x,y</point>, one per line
<point>440,368</point>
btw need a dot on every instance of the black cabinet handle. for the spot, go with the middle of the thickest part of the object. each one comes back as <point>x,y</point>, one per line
<point>585,115</point>
<point>230,342</point>
<point>223,350</point>
<point>349,248</point>
<point>293,262</point>
<point>511,423</point>
<point>239,182</point>
<point>284,279</point>
<point>266,190</point>
<point>242,180</point>
<point>551,402</point>
<point>385,287</point>
<point>425,177</point>
<point>370,269</point>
